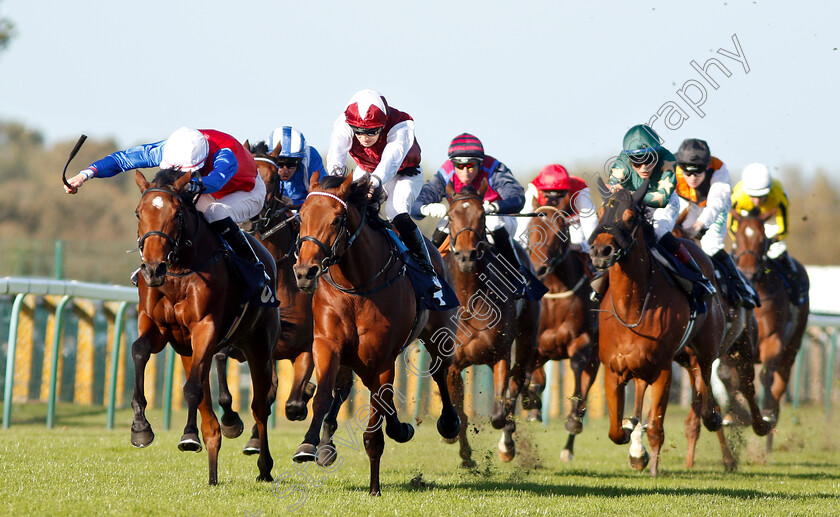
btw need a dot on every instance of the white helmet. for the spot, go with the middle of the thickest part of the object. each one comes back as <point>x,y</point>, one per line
<point>756,180</point>
<point>293,144</point>
<point>186,149</point>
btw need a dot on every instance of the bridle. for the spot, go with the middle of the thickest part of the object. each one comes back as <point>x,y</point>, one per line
<point>760,256</point>
<point>556,260</point>
<point>274,207</point>
<point>331,254</point>
<point>176,242</point>
<point>480,233</point>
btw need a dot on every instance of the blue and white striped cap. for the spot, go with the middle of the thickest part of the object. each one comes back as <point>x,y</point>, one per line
<point>293,144</point>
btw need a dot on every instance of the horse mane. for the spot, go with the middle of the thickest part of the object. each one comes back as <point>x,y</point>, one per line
<point>467,190</point>
<point>260,147</point>
<point>357,194</point>
<point>166,177</point>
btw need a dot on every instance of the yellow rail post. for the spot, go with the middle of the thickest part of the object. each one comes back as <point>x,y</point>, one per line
<point>83,393</point>
<point>23,365</point>
<point>51,302</point>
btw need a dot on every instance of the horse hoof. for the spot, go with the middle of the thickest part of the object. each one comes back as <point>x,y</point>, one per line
<point>141,439</point>
<point>639,464</point>
<point>507,455</point>
<point>534,415</point>
<point>326,455</point>
<point>450,440</point>
<point>566,455</point>
<point>232,426</point>
<point>714,422</point>
<point>449,431</point>
<point>468,464</point>
<point>769,416</point>
<point>762,427</point>
<point>252,447</point>
<point>730,466</point>
<point>407,432</point>
<point>574,426</point>
<point>305,452</point>
<point>401,432</point>
<point>189,443</point>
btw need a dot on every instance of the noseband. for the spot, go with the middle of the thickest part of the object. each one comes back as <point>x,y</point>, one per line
<point>176,243</point>
<point>274,207</point>
<point>331,255</point>
<point>554,261</point>
<point>481,234</point>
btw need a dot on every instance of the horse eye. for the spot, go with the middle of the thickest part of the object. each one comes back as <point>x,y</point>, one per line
<point>137,214</point>
<point>336,221</point>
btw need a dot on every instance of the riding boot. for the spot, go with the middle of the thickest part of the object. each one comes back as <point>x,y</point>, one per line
<point>742,294</point>
<point>416,244</point>
<point>237,240</point>
<point>789,271</point>
<point>501,237</point>
<point>701,288</point>
<point>599,284</point>
<point>438,237</point>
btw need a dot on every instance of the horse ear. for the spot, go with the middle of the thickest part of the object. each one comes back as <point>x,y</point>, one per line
<point>640,192</point>
<point>247,145</point>
<point>183,180</point>
<point>345,185</point>
<point>736,215</point>
<point>535,203</point>
<point>141,181</point>
<point>276,151</point>
<point>483,188</point>
<point>450,191</point>
<point>313,182</point>
<point>770,214</point>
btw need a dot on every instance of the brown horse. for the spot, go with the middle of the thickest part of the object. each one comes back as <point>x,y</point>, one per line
<point>276,228</point>
<point>365,313</point>
<point>645,320</point>
<point>781,324</point>
<point>488,318</point>
<point>732,373</point>
<point>568,326</point>
<point>189,299</point>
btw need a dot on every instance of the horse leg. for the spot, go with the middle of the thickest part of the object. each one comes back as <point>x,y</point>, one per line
<point>587,379</point>
<point>383,402</point>
<point>302,389</point>
<point>656,426</point>
<point>326,448</point>
<point>210,430</point>
<point>501,406</point>
<point>263,382</point>
<point>232,425</point>
<point>535,384</point>
<point>578,362</point>
<point>614,393</point>
<point>692,420</point>
<point>741,358</point>
<point>252,446</point>
<point>772,354</point>
<point>193,394</point>
<point>141,350</point>
<point>449,423</point>
<point>374,445</point>
<point>456,389</point>
<point>326,370</point>
<point>709,413</point>
<point>638,455</point>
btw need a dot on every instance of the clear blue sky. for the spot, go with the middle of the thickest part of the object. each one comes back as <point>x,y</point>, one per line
<point>537,82</point>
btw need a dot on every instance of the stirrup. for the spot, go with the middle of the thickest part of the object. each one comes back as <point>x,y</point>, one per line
<point>596,297</point>
<point>135,277</point>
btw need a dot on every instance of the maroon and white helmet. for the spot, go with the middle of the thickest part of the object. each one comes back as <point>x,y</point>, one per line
<point>366,109</point>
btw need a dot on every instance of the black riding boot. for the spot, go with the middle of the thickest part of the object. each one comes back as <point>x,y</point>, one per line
<point>501,238</point>
<point>702,288</point>
<point>416,244</point>
<point>790,271</point>
<point>438,237</point>
<point>237,240</point>
<point>743,295</point>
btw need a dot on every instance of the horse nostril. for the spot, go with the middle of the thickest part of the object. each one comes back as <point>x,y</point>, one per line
<point>473,255</point>
<point>541,270</point>
<point>160,270</point>
<point>312,272</point>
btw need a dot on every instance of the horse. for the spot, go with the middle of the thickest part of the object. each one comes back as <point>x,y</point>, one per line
<point>781,324</point>
<point>365,313</point>
<point>189,298</point>
<point>644,321</point>
<point>568,327</point>
<point>489,321</point>
<point>732,372</point>
<point>276,228</point>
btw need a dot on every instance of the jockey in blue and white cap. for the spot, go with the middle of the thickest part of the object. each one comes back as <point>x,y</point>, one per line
<point>296,163</point>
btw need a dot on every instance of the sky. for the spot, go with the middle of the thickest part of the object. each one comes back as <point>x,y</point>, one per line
<point>538,82</point>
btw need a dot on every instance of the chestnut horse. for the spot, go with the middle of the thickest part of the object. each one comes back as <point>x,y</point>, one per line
<point>188,298</point>
<point>276,229</point>
<point>568,326</point>
<point>488,318</point>
<point>365,313</point>
<point>644,321</point>
<point>781,324</point>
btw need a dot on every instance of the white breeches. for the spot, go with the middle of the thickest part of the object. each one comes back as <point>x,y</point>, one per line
<point>663,219</point>
<point>401,192</point>
<point>712,241</point>
<point>239,206</point>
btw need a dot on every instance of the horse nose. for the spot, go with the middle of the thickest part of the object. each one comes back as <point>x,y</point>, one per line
<point>601,252</point>
<point>303,273</point>
<point>541,271</point>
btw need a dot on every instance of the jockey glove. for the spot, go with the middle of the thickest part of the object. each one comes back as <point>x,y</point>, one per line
<point>438,210</point>
<point>491,208</point>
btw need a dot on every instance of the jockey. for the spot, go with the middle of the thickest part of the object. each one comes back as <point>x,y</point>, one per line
<point>704,191</point>
<point>381,141</point>
<point>468,165</point>
<point>757,193</point>
<point>554,187</point>
<point>643,157</point>
<point>230,190</point>
<point>296,163</point>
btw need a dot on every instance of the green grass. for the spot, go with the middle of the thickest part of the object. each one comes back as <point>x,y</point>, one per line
<point>79,468</point>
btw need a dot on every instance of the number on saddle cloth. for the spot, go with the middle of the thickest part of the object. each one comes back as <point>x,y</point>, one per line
<point>256,290</point>
<point>429,296</point>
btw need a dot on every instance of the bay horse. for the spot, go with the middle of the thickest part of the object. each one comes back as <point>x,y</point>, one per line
<point>568,326</point>
<point>489,318</point>
<point>645,319</point>
<point>189,298</point>
<point>365,313</point>
<point>781,324</point>
<point>276,228</point>
<point>732,372</point>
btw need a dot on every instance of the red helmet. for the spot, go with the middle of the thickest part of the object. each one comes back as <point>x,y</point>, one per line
<point>552,177</point>
<point>367,109</point>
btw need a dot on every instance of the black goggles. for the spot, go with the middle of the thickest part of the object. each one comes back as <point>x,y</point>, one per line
<point>692,170</point>
<point>367,131</point>
<point>289,164</point>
